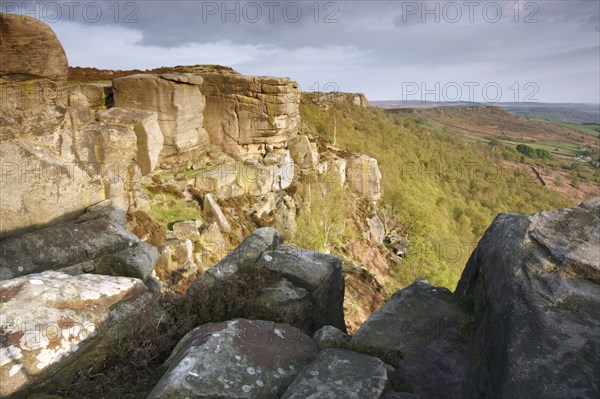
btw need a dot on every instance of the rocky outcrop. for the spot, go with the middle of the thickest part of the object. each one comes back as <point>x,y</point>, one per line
<point>303,152</point>
<point>338,373</point>
<point>247,116</point>
<point>177,100</point>
<point>304,275</point>
<point>534,283</point>
<point>149,143</point>
<point>95,245</point>
<point>420,329</point>
<point>44,57</point>
<point>329,99</point>
<point>235,359</point>
<point>54,325</point>
<point>330,337</point>
<point>363,176</point>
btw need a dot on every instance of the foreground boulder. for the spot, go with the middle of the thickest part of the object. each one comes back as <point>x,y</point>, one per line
<point>54,325</point>
<point>339,373</point>
<point>235,359</point>
<point>308,292</point>
<point>534,281</point>
<point>423,332</point>
<point>96,245</point>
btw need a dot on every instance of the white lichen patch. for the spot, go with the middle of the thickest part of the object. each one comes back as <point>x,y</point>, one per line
<point>36,282</point>
<point>251,371</point>
<point>268,258</point>
<point>15,369</point>
<point>279,333</point>
<point>9,353</point>
<point>260,383</point>
<point>246,388</point>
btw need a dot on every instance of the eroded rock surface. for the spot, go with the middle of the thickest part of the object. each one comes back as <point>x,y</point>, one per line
<point>245,114</point>
<point>53,325</point>
<point>339,373</point>
<point>534,284</point>
<point>235,359</point>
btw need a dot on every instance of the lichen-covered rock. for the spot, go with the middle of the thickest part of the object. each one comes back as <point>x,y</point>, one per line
<point>363,176</point>
<point>178,105</point>
<point>245,114</point>
<point>320,274</point>
<point>77,248</point>
<point>176,261</point>
<point>422,331</point>
<point>145,126</point>
<point>330,337</point>
<point>534,283</point>
<point>291,303</point>
<point>235,359</point>
<point>106,209</point>
<point>245,255</point>
<point>339,373</point>
<point>53,325</point>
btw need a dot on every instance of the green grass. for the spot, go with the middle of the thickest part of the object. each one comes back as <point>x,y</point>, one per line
<point>592,130</point>
<point>167,209</point>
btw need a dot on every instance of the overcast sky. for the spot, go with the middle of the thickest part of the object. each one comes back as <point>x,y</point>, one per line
<point>390,50</point>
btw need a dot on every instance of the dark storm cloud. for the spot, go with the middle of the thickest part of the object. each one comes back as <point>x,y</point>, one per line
<point>365,44</point>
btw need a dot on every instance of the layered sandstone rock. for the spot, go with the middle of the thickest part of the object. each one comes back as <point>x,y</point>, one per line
<point>177,100</point>
<point>147,130</point>
<point>246,116</point>
<point>43,181</point>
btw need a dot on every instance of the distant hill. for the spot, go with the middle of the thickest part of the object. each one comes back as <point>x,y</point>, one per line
<point>555,112</point>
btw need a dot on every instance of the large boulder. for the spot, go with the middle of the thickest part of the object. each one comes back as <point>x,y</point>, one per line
<point>309,288</point>
<point>422,331</point>
<point>534,282</point>
<point>245,115</point>
<point>339,373</point>
<point>54,325</point>
<point>235,359</point>
<point>145,125</point>
<point>29,49</point>
<point>96,245</point>
<point>304,154</point>
<point>177,100</point>
<point>320,274</point>
<point>363,176</point>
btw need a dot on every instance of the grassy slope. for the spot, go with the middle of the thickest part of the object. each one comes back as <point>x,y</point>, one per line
<point>445,191</point>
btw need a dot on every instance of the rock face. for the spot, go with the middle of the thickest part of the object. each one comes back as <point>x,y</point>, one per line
<point>69,322</point>
<point>244,114</point>
<point>235,359</point>
<point>96,245</point>
<point>311,291</point>
<point>330,337</point>
<point>149,141</point>
<point>177,101</point>
<point>338,373</point>
<point>534,283</point>
<point>363,176</point>
<point>44,57</point>
<point>319,274</point>
<point>304,154</point>
<point>330,99</point>
<point>421,328</point>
